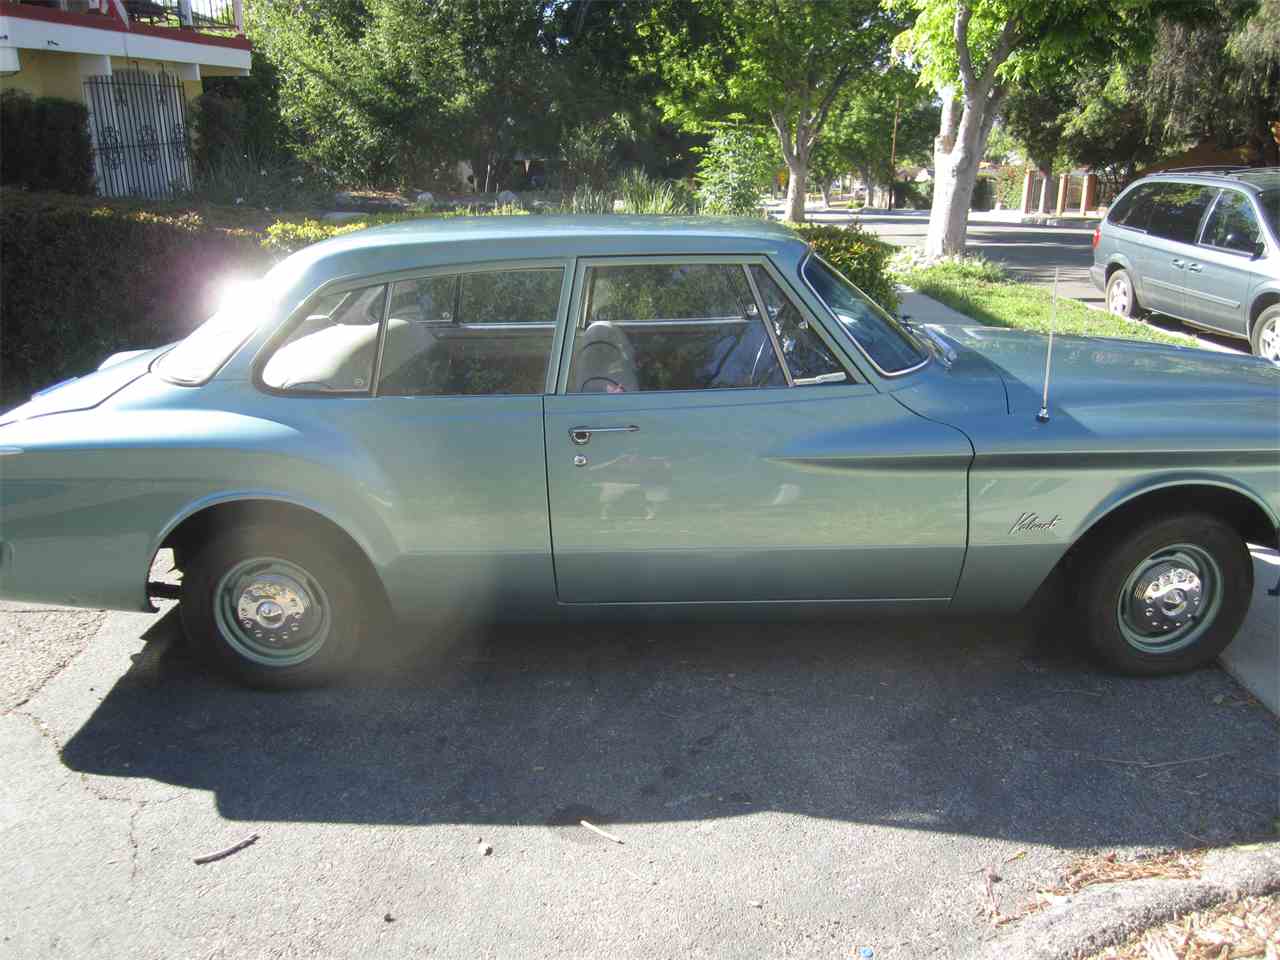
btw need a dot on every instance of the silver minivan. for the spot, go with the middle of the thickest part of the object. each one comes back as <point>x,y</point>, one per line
<point>1199,245</point>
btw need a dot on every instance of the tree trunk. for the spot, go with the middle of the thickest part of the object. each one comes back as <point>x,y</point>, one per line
<point>825,187</point>
<point>796,185</point>
<point>957,152</point>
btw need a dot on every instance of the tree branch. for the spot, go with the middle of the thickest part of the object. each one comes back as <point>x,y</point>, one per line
<point>964,13</point>
<point>783,126</point>
<point>1004,47</point>
<point>824,108</point>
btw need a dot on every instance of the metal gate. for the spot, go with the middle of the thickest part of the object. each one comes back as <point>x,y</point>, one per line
<point>138,122</point>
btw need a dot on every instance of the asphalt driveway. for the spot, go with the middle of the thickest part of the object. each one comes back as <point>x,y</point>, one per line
<point>780,790</point>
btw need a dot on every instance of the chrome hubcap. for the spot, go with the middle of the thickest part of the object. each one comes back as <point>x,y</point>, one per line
<point>1120,295</point>
<point>1269,341</point>
<point>272,611</point>
<point>1169,599</point>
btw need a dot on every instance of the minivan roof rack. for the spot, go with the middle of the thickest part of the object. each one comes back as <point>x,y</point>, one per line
<point>1206,168</point>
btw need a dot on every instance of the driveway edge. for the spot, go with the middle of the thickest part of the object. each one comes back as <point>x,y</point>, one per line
<point>1108,914</point>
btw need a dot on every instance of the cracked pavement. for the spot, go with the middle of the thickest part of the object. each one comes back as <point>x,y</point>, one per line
<point>782,790</point>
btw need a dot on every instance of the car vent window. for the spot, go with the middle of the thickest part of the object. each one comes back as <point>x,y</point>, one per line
<point>1176,209</point>
<point>1232,225</point>
<point>332,349</point>
<point>806,355</point>
<point>471,334</point>
<point>691,326</point>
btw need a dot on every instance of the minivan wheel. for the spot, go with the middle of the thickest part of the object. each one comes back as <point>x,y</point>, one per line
<point>1167,595</point>
<point>1121,299</point>
<point>1265,336</point>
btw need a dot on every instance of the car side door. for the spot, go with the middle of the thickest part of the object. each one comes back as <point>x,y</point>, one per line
<point>710,443</point>
<point>430,384</point>
<point>1224,270</point>
<point>1177,210</point>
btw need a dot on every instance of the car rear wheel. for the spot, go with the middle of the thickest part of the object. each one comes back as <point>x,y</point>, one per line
<point>272,606</point>
<point>1265,336</point>
<point>1167,595</point>
<point>1121,298</point>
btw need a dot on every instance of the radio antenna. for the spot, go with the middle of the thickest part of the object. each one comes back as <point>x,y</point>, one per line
<point>1043,415</point>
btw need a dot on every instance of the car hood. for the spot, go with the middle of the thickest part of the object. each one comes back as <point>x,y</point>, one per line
<point>1107,372</point>
<point>82,393</point>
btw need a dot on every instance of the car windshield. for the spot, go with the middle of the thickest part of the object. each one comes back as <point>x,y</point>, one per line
<point>888,344</point>
<point>198,357</point>
<point>1270,201</point>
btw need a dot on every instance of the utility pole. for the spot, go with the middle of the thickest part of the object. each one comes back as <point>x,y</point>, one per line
<point>893,152</point>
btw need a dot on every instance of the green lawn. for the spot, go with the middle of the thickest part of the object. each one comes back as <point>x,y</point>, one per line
<point>980,290</point>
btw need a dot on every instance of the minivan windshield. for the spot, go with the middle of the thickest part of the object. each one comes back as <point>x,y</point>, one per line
<point>885,341</point>
<point>204,351</point>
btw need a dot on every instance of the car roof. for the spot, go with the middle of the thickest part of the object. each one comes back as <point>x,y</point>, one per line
<point>413,244</point>
<point>562,228</point>
<point>1258,178</point>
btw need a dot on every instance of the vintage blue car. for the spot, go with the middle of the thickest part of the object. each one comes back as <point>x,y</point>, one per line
<point>552,417</point>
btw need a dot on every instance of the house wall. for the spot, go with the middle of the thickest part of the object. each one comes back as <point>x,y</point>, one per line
<point>49,74</point>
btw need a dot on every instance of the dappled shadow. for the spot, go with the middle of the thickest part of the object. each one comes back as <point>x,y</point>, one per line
<point>976,728</point>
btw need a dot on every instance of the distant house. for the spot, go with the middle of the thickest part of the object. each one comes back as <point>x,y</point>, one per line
<point>135,64</point>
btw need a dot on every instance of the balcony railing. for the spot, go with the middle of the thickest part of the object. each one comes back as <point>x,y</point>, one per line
<point>213,16</point>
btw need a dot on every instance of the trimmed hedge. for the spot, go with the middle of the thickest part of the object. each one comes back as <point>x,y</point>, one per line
<point>862,258</point>
<point>44,143</point>
<point>82,280</point>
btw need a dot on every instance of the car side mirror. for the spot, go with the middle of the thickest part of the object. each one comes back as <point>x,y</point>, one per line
<point>1258,249</point>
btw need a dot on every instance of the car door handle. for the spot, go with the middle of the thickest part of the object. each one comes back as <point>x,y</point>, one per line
<point>1194,268</point>
<point>582,435</point>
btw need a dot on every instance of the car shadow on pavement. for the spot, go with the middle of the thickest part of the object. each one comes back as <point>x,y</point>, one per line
<point>993,729</point>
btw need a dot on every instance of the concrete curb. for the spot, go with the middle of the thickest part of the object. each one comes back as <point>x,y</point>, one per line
<point>1105,915</point>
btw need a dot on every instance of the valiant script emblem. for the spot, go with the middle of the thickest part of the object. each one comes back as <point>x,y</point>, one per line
<point>1031,522</point>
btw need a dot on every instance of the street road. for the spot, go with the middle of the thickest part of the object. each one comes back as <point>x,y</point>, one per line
<point>780,790</point>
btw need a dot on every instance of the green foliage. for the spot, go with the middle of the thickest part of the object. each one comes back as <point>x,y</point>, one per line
<point>588,152</point>
<point>44,143</point>
<point>272,182</point>
<point>736,167</point>
<point>83,279</point>
<point>1008,189</point>
<point>982,291</point>
<point>641,194</point>
<point>862,258</point>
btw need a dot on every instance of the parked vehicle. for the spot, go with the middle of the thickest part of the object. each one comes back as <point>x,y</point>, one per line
<point>1199,245</point>
<point>540,417</point>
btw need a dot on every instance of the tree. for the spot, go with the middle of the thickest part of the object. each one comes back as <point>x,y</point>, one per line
<point>971,52</point>
<point>784,63</point>
<point>1110,132</point>
<point>1215,74</point>
<point>1036,114</point>
<point>861,132</point>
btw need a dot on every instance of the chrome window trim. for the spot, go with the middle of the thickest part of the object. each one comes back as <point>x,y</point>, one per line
<point>762,315</point>
<point>836,320</point>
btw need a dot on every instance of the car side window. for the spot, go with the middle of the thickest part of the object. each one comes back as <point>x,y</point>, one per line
<point>333,349</point>
<point>1232,225</point>
<point>470,334</point>
<point>806,356</point>
<point>689,326</point>
<point>1176,209</point>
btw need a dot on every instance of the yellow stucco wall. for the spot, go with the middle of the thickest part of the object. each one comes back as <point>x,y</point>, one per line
<point>49,74</point>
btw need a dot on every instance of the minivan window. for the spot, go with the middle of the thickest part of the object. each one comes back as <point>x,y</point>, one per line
<point>1270,202</point>
<point>1176,209</point>
<point>1232,225</point>
<point>1133,209</point>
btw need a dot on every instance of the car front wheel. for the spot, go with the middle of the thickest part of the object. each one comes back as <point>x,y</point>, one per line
<point>1265,337</point>
<point>1167,595</point>
<point>1121,299</point>
<point>272,606</point>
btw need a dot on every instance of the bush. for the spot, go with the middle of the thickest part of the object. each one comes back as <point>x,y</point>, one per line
<point>82,280</point>
<point>44,143</point>
<point>862,258</point>
<point>640,194</point>
<point>736,168</point>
